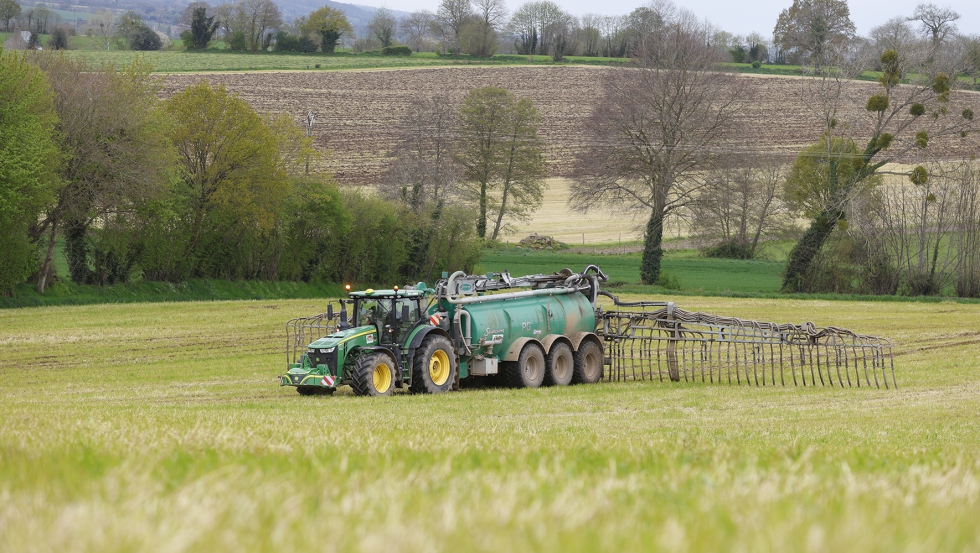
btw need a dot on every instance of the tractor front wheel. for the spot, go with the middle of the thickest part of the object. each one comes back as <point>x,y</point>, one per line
<point>373,375</point>
<point>434,367</point>
<point>528,371</point>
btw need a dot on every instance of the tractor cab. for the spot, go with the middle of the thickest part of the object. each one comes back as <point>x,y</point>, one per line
<point>392,313</point>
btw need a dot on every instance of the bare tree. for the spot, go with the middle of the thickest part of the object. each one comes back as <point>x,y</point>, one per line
<point>590,34</point>
<point>810,30</point>
<point>490,15</point>
<point>966,239</point>
<point>104,26</point>
<point>452,16</point>
<point>561,33</point>
<point>416,27</point>
<point>423,172</point>
<point>741,206</point>
<point>261,18</point>
<point>656,130</point>
<point>934,22</point>
<point>382,26</point>
<point>895,34</point>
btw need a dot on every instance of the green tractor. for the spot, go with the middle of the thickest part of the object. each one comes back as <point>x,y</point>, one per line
<point>388,343</point>
<point>468,327</point>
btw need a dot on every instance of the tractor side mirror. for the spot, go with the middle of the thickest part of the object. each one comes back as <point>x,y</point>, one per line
<point>404,312</point>
<point>344,324</point>
<point>329,310</point>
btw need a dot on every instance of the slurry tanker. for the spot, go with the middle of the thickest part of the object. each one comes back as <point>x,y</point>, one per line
<point>551,330</point>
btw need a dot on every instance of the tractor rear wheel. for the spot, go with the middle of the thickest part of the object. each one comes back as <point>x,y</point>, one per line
<point>560,364</point>
<point>434,366</point>
<point>588,363</point>
<point>373,375</point>
<point>528,371</point>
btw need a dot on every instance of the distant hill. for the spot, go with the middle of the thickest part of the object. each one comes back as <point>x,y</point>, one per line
<point>359,16</point>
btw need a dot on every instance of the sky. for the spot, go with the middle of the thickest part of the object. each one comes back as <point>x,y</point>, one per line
<point>738,18</point>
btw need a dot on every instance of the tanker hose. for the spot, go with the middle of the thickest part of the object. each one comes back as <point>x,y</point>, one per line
<point>598,271</point>
<point>450,292</point>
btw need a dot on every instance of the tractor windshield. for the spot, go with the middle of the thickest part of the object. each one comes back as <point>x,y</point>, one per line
<point>372,311</point>
<point>399,315</point>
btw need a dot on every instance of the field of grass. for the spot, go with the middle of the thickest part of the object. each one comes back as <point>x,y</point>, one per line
<point>160,427</point>
<point>215,59</point>
<point>694,273</point>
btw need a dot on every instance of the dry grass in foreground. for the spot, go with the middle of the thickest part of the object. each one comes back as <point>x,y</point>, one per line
<point>159,427</point>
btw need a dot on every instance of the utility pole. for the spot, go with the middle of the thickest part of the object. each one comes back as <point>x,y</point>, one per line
<point>310,118</point>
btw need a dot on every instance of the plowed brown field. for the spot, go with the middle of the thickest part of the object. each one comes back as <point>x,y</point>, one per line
<point>358,111</point>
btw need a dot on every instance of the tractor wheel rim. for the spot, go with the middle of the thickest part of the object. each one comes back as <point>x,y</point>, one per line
<point>439,367</point>
<point>382,377</point>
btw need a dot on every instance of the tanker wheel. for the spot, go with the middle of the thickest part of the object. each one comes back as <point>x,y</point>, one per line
<point>434,366</point>
<point>588,363</point>
<point>560,364</point>
<point>373,375</point>
<point>529,369</point>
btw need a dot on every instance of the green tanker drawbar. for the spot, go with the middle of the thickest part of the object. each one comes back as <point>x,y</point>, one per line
<point>429,339</point>
<point>550,330</point>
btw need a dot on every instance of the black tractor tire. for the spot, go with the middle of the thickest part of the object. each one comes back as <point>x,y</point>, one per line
<point>373,375</point>
<point>560,365</point>
<point>588,363</point>
<point>528,371</point>
<point>434,367</point>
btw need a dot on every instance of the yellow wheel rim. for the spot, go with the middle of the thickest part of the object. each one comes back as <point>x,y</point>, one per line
<point>439,367</point>
<point>382,377</point>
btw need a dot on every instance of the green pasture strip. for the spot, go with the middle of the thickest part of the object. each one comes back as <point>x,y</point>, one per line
<point>214,59</point>
<point>695,273</point>
<point>68,293</point>
<point>160,427</point>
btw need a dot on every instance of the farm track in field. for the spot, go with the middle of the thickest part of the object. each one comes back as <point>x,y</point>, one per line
<point>358,112</point>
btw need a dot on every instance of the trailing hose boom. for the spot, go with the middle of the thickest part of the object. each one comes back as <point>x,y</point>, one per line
<point>553,329</point>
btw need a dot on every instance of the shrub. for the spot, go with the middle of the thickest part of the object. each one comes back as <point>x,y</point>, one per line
<point>59,39</point>
<point>237,41</point>
<point>756,64</point>
<point>730,249</point>
<point>668,281</point>
<point>396,51</point>
<point>144,38</point>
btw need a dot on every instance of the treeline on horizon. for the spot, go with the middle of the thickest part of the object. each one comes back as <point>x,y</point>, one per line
<point>483,28</point>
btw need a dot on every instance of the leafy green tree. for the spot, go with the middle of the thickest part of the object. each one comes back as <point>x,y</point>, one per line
<point>59,39</point>
<point>29,159</point>
<point>330,25</point>
<point>501,156</point>
<point>112,133</point>
<point>9,9</point>
<point>202,28</point>
<point>233,179</point>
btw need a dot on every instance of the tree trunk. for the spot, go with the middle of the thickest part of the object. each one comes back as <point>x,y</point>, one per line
<point>500,215</point>
<point>481,223</point>
<point>800,263</point>
<point>652,248</point>
<point>42,280</point>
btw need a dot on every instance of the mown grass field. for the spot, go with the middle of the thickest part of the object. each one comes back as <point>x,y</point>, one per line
<point>160,427</point>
